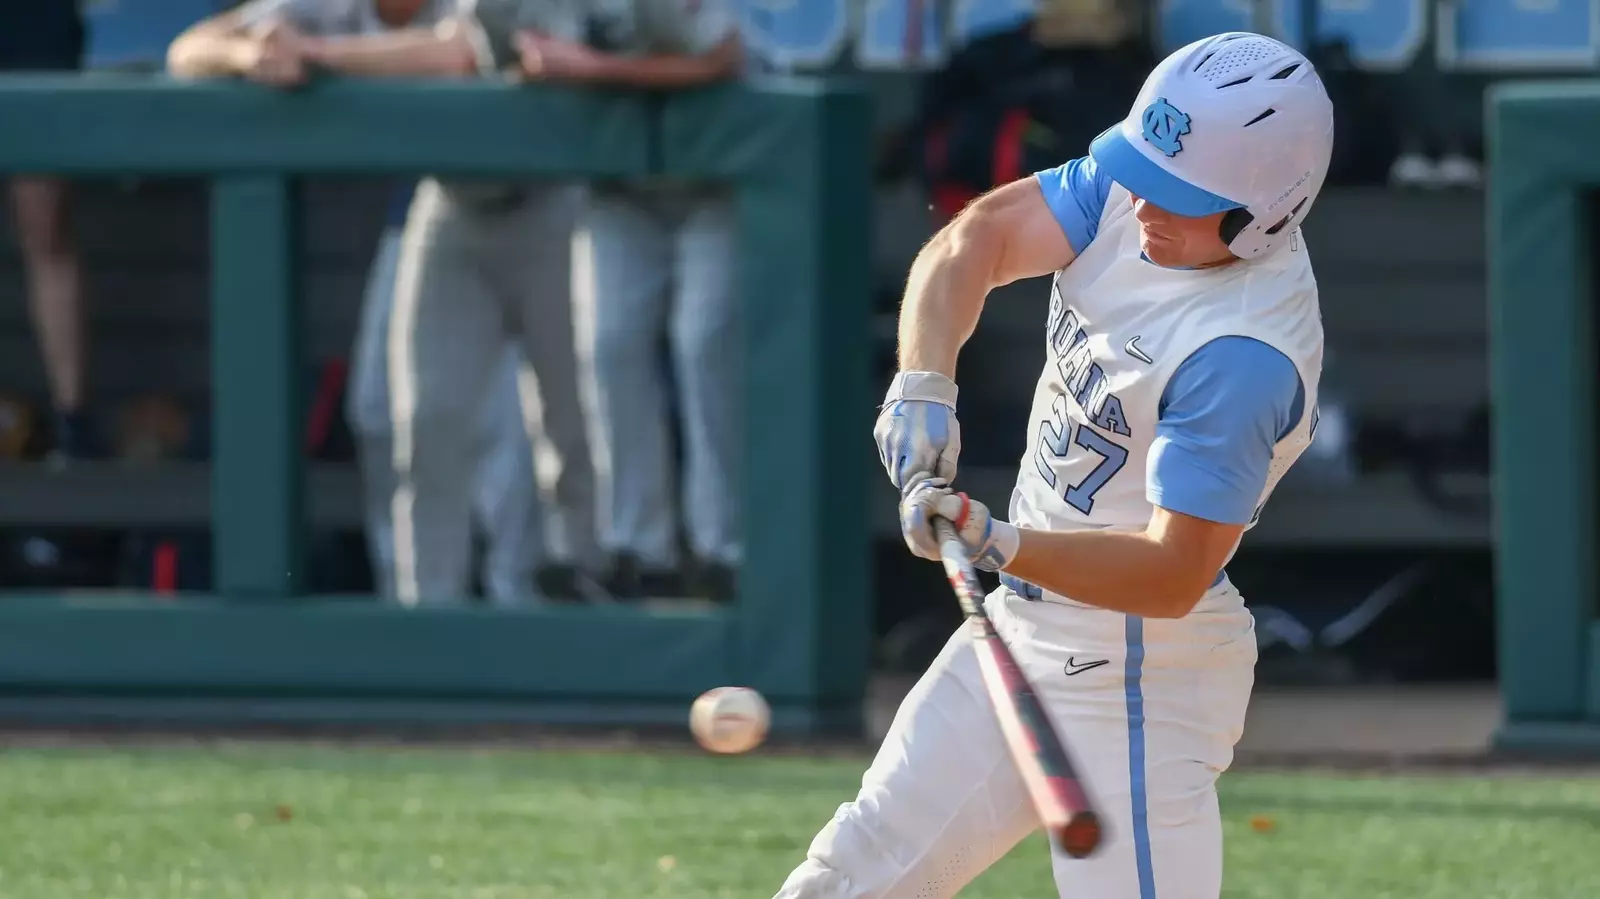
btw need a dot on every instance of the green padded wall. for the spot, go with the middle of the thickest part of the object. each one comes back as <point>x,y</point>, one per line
<point>256,366</point>
<point>257,649</point>
<point>1543,169</point>
<point>794,148</point>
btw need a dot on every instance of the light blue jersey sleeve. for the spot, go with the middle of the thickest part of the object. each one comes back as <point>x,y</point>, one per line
<point>1221,415</point>
<point>1076,193</point>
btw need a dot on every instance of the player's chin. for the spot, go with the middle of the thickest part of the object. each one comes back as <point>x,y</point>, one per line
<point>1163,251</point>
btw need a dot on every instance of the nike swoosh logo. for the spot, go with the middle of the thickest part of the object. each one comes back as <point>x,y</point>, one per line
<point>1074,668</point>
<point>1132,347</point>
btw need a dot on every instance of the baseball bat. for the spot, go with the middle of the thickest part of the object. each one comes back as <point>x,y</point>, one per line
<point>1036,748</point>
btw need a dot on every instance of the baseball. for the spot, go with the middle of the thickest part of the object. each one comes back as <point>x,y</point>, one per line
<point>730,719</point>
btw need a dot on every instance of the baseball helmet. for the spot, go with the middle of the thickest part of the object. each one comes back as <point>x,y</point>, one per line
<point>1237,123</point>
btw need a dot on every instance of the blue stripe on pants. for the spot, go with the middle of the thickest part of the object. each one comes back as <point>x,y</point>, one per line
<point>1133,670</point>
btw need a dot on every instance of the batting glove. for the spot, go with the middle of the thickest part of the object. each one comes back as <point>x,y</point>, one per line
<point>990,543</point>
<point>917,432</point>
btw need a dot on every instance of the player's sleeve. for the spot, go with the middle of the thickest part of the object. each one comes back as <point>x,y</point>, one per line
<point>712,22</point>
<point>318,17</point>
<point>1221,416</point>
<point>1076,194</point>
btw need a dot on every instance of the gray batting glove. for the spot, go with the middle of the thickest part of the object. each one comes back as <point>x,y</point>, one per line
<point>917,432</point>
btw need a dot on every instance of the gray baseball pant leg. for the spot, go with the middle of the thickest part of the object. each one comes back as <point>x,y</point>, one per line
<point>529,264</point>
<point>707,343</point>
<point>631,246</point>
<point>446,336</point>
<point>505,504</point>
<point>367,410</point>
<point>505,499</point>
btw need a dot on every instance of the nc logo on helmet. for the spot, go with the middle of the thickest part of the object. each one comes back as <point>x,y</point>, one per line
<point>1164,124</point>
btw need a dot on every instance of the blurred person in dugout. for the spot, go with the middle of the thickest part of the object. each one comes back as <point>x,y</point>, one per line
<point>661,299</point>
<point>476,266</point>
<point>48,36</point>
<point>1021,98</point>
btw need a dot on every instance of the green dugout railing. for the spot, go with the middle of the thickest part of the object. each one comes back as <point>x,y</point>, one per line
<point>1544,172</point>
<point>798,153</point>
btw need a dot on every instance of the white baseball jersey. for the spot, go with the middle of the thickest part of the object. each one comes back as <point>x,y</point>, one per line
<point>1120,328</point>
<point>330,18</point>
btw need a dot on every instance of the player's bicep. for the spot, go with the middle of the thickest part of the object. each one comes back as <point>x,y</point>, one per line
<point>1015,223</point>
<point>1200,545</point>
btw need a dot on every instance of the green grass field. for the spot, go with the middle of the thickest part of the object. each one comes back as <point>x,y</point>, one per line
<point>316,822</point>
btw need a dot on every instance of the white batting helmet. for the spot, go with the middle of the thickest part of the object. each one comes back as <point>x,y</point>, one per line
<point>1237,123</point>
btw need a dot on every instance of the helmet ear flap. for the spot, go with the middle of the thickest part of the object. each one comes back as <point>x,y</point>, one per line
<point>1234,221</point>
<point>1233,224</point>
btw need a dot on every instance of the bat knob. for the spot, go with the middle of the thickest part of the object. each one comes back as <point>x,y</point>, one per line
<point>1080,836</point>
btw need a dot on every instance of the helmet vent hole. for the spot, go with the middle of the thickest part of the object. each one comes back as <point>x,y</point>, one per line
<point>1233,83</point>
<point>1285,72</point>
<point>1290,217</point>
<point>1236,59</point>
<point>1259,117</point>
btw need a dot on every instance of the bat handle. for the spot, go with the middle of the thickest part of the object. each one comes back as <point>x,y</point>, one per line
<point>950,545</point>
<point>953,553</point>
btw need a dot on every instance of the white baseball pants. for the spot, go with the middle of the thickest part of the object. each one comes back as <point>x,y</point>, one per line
<point>1149,731</point>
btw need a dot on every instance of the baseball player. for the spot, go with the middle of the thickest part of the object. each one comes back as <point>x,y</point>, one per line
<point>240,42</point>
<point>662,262</point>
<point>505,502</point>
<point>480,261</point>
<point>1184,343</point>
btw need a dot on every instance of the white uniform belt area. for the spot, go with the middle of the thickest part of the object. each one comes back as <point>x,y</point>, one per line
<point>1035,593</point>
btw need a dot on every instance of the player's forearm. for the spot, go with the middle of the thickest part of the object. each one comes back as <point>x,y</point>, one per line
<point>1125,572</point>
<point>414,51</point>
<point>204,55</point>
<point>665,71</point>
<point>944,297</point>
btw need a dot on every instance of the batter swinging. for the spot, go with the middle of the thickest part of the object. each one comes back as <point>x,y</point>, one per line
<point>1184,346</point>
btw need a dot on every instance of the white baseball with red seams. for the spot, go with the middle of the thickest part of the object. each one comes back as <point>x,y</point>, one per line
<point>730,720</point>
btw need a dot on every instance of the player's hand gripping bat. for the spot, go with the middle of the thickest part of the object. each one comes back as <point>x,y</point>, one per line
<point>1036,749</point>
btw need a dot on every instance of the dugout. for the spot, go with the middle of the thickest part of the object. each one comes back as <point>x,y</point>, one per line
<point>258,647</point>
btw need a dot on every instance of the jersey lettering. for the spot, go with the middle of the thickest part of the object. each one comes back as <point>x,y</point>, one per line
<point>1085,382</point>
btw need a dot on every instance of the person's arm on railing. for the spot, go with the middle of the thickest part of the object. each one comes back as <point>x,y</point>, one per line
<point>444,51</point>
<point>480,40</point>
<point>281,42</point>
<point>260,40</point>
<point>555,59</point>
<point>704,42</point>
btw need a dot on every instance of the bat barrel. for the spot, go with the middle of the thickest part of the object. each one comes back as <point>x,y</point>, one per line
<point>1079,837</point>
